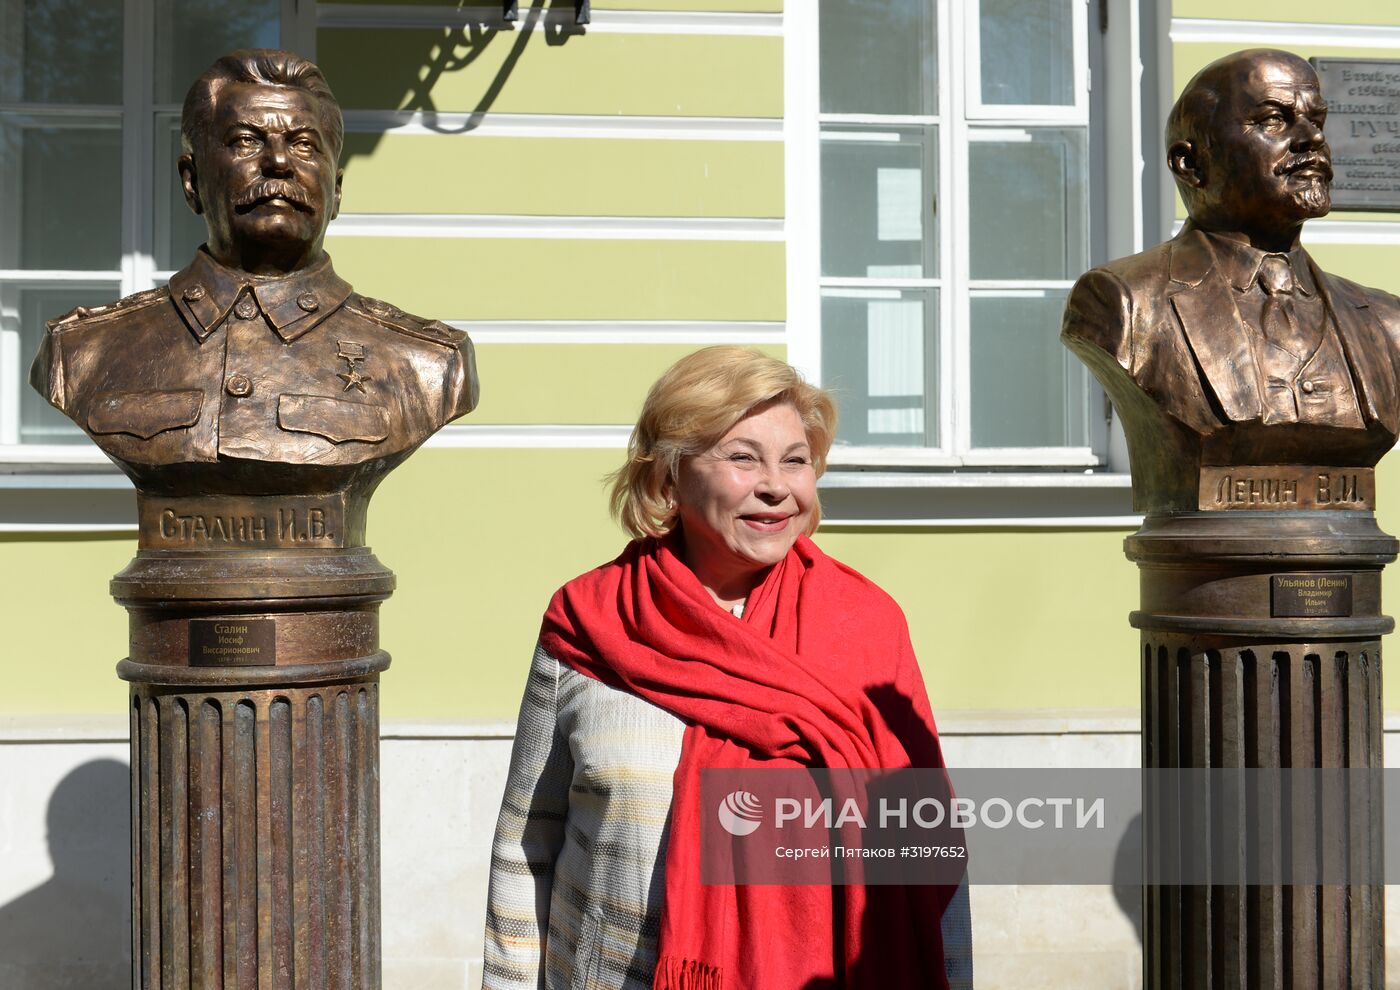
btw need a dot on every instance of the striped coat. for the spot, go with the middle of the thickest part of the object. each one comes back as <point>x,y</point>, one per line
<point>578,861</point>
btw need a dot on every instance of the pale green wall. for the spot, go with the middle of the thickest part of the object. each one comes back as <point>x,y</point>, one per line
<point>64,634</point>
<point>1298,11</point>
<point>564,176</point>
<point>630,74</point>
<point>480,538</point>
<point>754,6</point>
<point>497,278</point>
<point>575,383</point>
<point>1190,57</point>
<point>1002,619</point>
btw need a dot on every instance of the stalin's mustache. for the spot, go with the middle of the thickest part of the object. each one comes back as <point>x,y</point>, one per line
<point>268,189</point>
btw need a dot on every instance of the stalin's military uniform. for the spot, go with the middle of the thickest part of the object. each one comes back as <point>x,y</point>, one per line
<point>250,385</point>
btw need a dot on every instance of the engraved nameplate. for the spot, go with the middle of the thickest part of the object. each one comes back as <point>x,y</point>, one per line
<point>1287,486</point>
<point>1302,595</point>
<point>224,522</point>
<point>233,642</point>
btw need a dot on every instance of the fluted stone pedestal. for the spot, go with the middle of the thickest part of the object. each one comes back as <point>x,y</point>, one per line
<point>1261,649</point>
<point>255,767</point>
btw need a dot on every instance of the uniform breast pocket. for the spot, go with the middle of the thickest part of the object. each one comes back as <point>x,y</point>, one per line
<point>144,414</point>
<point>335,419</point>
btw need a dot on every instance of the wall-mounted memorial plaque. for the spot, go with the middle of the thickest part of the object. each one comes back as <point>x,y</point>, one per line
<point>1363,129</point>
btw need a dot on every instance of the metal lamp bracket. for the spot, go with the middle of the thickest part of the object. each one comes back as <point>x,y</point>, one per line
<point>583,13</point>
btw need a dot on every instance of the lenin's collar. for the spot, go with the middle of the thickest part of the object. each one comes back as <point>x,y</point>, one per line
<point>1195,253</point>
<point>205,291</point>
<point>1239,263</point>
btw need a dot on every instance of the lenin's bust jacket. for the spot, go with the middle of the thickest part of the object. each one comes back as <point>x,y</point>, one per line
<point>1161,332</point>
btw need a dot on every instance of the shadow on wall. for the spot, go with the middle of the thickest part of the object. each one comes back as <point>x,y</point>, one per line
<point>1127,867</point>
<point>408,83</point>
<point>74,930</point>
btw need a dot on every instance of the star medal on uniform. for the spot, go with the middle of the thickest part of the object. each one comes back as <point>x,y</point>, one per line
<point>353,353</point>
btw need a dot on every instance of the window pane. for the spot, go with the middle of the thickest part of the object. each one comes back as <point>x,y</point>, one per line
<point>179,231</point>
<point>190,34</point>
<point>1027,52</point>
<point>880,359</point>
<point>879,56</point>
<point>1029,203</point>
<point>61,51</point>
<point>878,204</point>
<point>1027,389</point>
<point>26,309</point>
<point>64,182</point>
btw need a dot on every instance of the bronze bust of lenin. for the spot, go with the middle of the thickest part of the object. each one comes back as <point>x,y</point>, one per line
<point>1228,345</point>
<point>258,370</point>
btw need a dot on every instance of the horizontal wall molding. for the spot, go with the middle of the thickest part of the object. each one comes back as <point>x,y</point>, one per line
<point>104,502</point>
<point>977,500</point>
<point>354,15</point>
<point>67,503</point>
<point>557,228</point>
<point>1325,231</point>
<point>985,522</point>
<point>51,730</point>
<point>527,435</point>
<point>924,479</point>
<point>113,728</point>
<point>550,125</point>
<point>619,332</point>
<point>1287,33</point>
<point>1351,232</point>
<point>80,457</point>
<point>8,525</point>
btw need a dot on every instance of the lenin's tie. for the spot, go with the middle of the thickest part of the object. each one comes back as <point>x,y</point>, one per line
<point>1280,325</point>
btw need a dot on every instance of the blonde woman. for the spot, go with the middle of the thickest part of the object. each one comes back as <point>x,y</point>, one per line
<point>721,636</point>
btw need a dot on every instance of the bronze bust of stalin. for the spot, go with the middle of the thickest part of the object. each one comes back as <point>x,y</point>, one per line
<point>256,402</point>
<point>258,370</point>
<point>1228,346</point>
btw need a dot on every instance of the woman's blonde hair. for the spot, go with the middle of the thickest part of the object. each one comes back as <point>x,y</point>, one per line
<point>690,408</point>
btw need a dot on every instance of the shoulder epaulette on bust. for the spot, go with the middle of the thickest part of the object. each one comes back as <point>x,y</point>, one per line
<point>390,316</point>
<point>81,315</point>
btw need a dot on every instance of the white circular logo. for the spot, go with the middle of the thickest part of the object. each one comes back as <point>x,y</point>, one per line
<point>740,813</point>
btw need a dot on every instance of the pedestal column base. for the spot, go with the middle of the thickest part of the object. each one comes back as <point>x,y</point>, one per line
<point>255,824</point>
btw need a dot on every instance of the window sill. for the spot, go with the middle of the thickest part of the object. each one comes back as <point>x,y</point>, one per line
<point>49,458</point>
<point>1065,500</point>
<point>1062,458</point>
<point>74,498</point>
<point>97,498</point>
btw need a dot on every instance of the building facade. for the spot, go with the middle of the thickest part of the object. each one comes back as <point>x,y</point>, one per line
<point>895,195</point>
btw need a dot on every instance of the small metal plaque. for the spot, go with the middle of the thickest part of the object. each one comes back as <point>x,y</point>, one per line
<point>1363,130</point>
<point>1304,595</point>
<point>1286,486</point>
<point>233,642</point>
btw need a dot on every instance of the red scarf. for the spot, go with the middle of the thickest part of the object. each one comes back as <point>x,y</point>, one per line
<point>819,673</point>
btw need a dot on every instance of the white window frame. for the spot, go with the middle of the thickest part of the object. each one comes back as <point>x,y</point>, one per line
<point>1120,199</point>
<point>1077,113</point>
<point>137,114</point>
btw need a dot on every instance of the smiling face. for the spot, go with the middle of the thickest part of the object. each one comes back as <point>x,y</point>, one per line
<point>744,502</point>
<point>1267,167</point>
<point>264,177</point>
